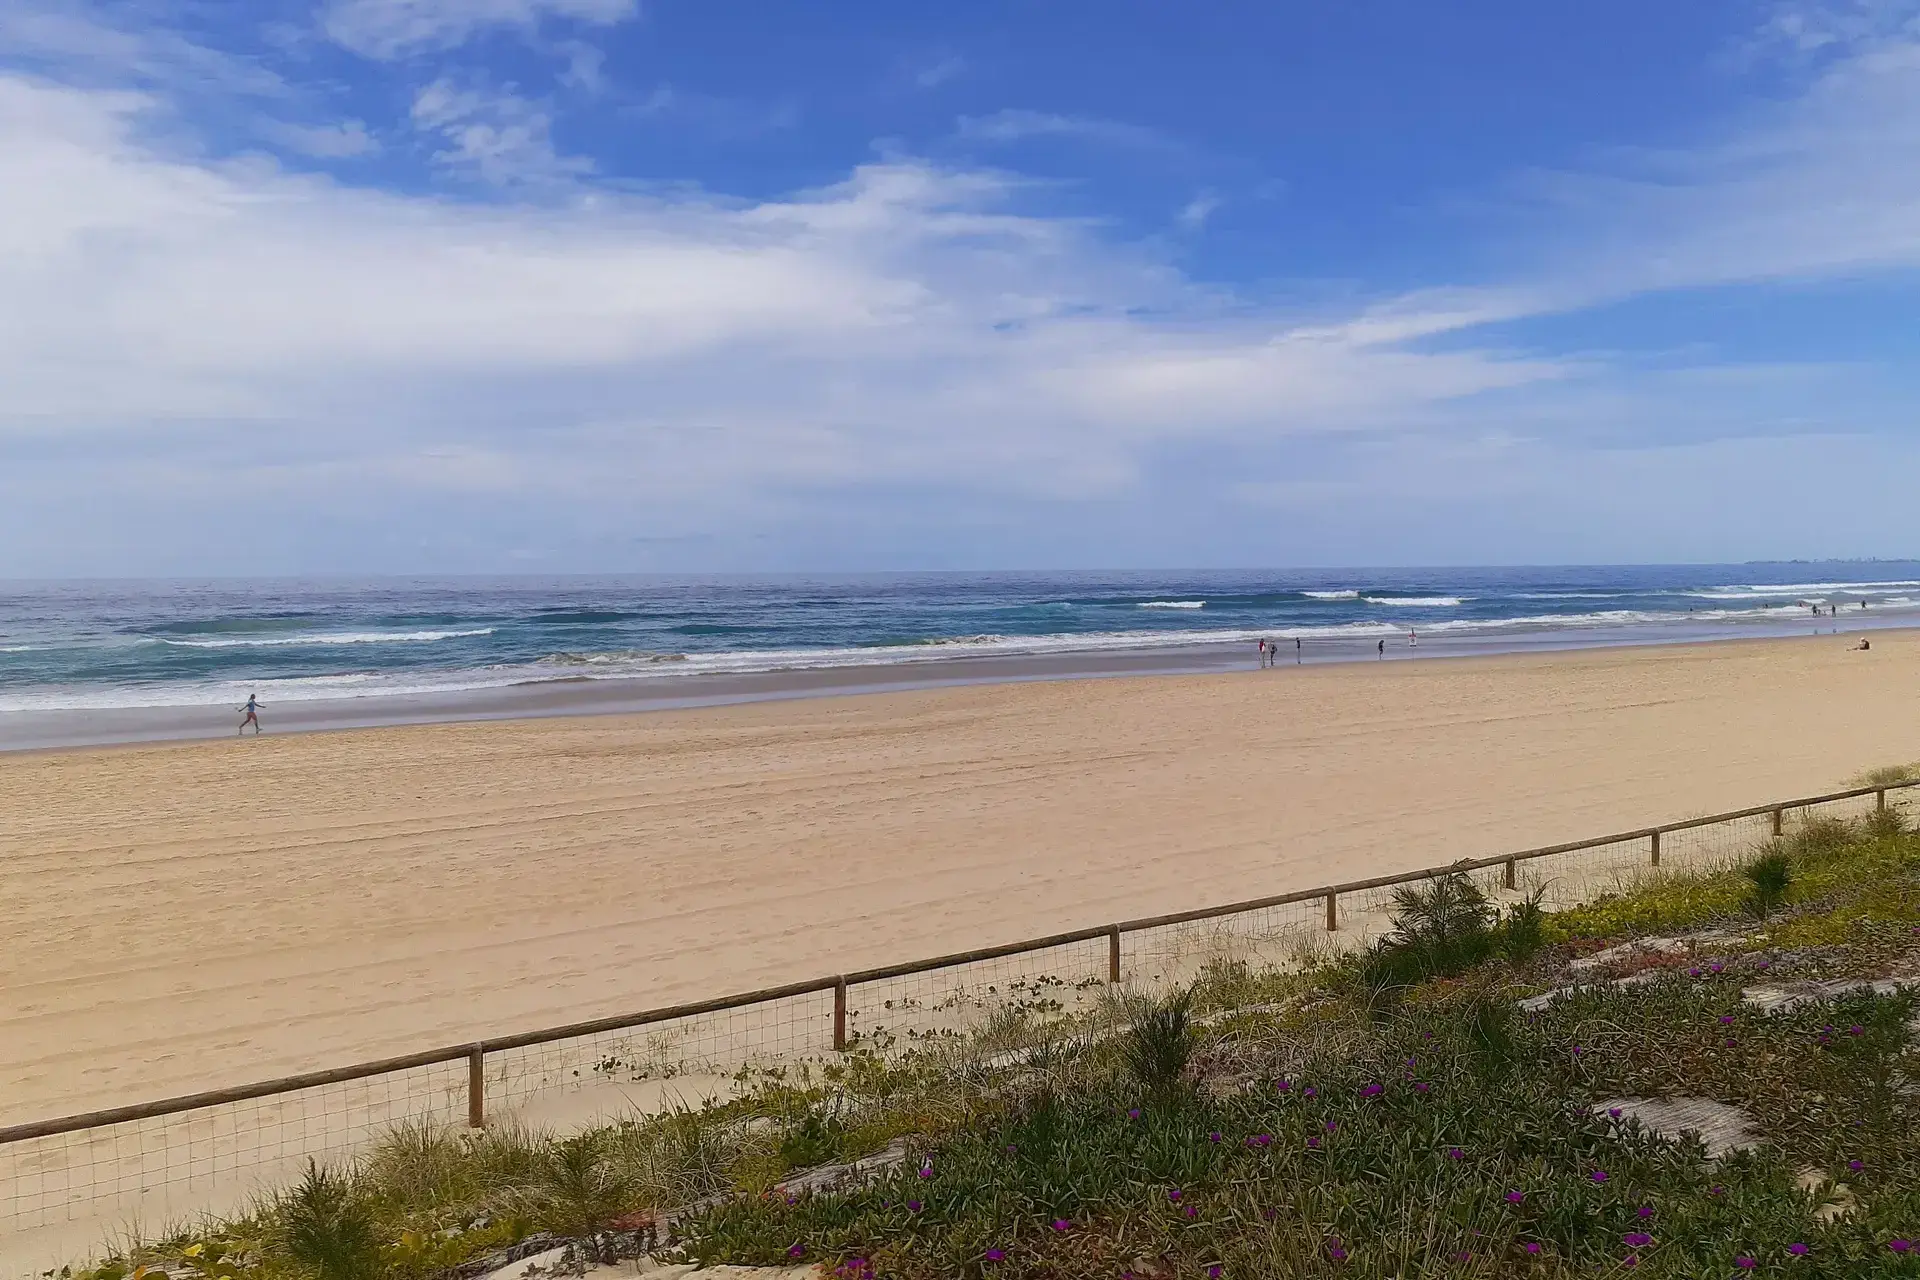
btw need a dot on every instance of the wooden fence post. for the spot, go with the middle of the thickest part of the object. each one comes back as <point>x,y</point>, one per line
<point>477,1087</point>
<point>1656,848</point>
<point>1512,879</point>
<point>1880,799</point>
<point>840,1015</point>
<point>1333,913</point>
<point>1113,954</point>
<point>1778,817</point>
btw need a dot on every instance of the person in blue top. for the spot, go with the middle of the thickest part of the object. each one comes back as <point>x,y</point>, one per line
<point>252,710</point>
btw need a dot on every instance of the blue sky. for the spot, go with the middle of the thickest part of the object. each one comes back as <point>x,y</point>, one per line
<point>600,285</point>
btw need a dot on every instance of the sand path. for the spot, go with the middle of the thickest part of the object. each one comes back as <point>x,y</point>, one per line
<point>184,916</point>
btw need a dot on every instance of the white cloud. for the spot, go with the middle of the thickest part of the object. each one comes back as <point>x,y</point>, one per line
<point>344,140</point>
<point>932,77</point>
<point>1194,214</point>
<point>396,28</point>
<point>493,135</point>
<point>1014,125</point>
<point>172,326</point>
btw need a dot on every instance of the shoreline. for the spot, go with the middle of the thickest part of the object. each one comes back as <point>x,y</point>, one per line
<point>582,695</point>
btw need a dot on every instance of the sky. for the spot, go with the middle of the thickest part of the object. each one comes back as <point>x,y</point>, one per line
<point>544,286</point>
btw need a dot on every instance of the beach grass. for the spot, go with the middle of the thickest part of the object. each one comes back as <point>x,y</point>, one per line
<point>1395,1113</point>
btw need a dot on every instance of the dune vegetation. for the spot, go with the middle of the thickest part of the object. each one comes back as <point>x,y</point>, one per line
<point>1469,1097</point>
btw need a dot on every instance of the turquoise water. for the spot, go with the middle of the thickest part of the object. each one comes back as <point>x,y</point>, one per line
<point>79,645</point>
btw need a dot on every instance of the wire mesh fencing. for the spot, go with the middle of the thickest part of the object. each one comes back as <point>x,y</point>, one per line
<point>74,1186</point>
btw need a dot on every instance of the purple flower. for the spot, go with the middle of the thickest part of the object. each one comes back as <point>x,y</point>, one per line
<point>1011,1149</point>
<point>913,1206</point>
<point>1598,1175</point>
<point>1314,1143</point>
<point>1614,1112</point>
<point>1061,1224</point>
<point>1716,1191</point>
<point>1637,1239</point>
<point>797,1251</point>
<point>1372,1091</point>
<point>1854,1030</point>
<point>1455,1153</point>
<point>1311,1092</point>
<point>926,1170</point>
<point>1214,1271</point>
<point>996,1255</point>
<point>1745,1263</point>
<point>1694,972</point>
<point>1420,1086</point>
<point>1174,1195</point>
<point>1283,1085</point>
<point>1532,1247</point>
<point>1716,966</point>
<point>1731,1042</point>
<point>1133,1113</point>
<point>1725,1018</point>
<point>1213,1137</point>
<point>1764,963</point>
<point>1332,1125</point>
<point>1855,1165</point>
<point>1631,1260</point>
<point>1190,1211</point>
<point>1797,1249</point>
<point>1899,1246</point>
<point>1516,1197</point>
<point>1335,1252</point>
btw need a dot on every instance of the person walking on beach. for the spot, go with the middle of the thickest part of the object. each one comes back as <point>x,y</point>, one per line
<point>1383,650</point>
<point>1298,656</point>
<point>1413,641</point>
<point>252,710</point>
<point>1263,652</point>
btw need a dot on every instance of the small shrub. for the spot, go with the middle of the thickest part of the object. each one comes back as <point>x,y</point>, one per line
<point>1770,875</point>
<point>329,1229</point>
<point>577,1191</point>
<point>1159,1044</point>
<point>814,1141</point>
<point>1524,932</point>
<point>1440,929</point>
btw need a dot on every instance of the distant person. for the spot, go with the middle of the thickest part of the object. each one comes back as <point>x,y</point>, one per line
<point>1863,644</point>
<point>1413,641</point>
<point>1863,604</point>
<point>1298,653</point>
<point>1383,648</point>
<point>1263,651</point>
<point>252,717</point>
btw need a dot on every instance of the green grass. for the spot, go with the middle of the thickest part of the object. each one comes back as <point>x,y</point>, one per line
<point>1267,1124</point>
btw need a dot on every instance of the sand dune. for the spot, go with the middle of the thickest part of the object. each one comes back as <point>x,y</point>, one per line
<point>184,916</point>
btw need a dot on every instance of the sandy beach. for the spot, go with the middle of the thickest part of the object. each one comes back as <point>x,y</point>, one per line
<point>185,916</point>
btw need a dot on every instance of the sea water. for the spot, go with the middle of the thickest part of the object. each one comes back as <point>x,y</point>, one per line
<point>103,645</point>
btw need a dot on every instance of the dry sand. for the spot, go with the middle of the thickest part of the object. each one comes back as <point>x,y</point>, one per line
<point>185,916</point>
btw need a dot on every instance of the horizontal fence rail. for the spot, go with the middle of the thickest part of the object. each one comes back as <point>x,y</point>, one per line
<point>80,1167</point>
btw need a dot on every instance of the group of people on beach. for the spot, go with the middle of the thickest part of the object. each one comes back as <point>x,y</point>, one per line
<point>1270,649</point>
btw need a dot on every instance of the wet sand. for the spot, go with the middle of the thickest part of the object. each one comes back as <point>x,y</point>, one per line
<point>185,916</point>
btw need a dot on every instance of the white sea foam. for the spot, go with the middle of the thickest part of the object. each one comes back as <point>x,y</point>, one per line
<point>1797,589</point>
<point>1416,602</point>
<point>1172,604</point>
<point>1331,595</point>
<point>324,637</point>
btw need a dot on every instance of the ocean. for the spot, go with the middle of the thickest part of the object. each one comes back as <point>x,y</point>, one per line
<point>96,645</point>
